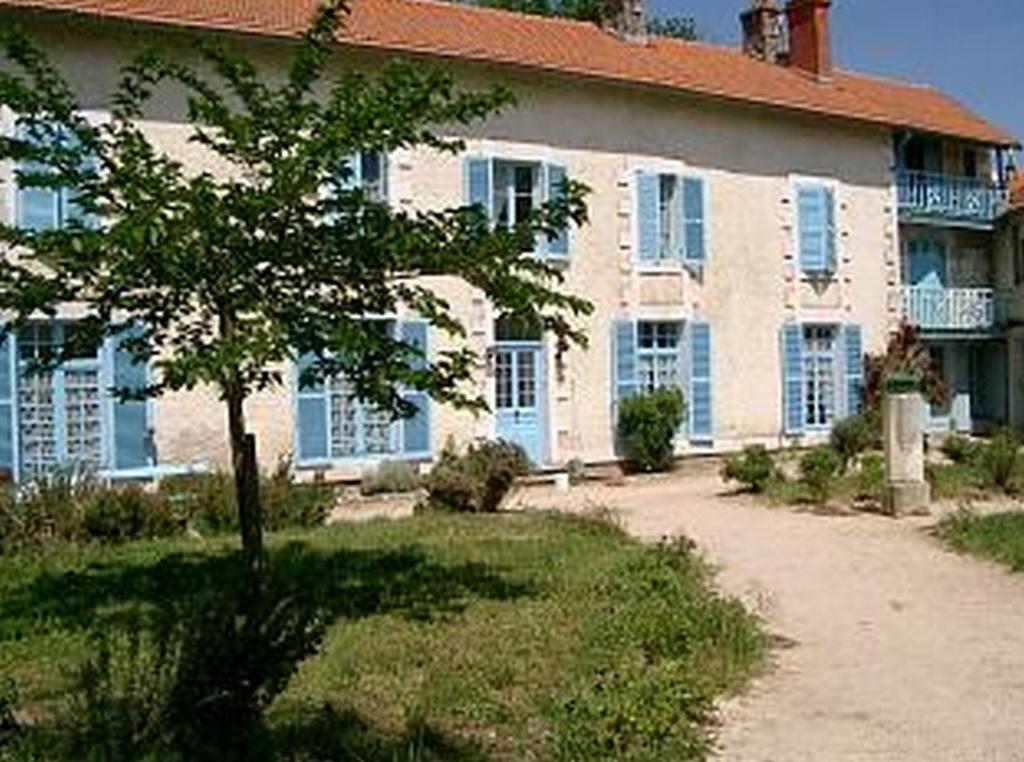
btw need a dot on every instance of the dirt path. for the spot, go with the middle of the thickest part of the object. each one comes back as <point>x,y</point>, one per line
<point>900,650</point>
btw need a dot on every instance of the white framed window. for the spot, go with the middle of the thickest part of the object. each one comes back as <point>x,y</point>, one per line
<point>671,213</point>
<point>516,192</point>
<point>333,424</point>
<point>509,190</point>
<point>820,375</point>
<point>659,355</point>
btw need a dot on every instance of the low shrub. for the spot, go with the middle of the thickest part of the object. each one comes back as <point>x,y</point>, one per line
<point>209,500</point>
<point>194,688</point>
<point>1000,460</point>
<point>390,477</point>
<point>129,513</point>
<point>655,701</point>
<point>869,480</point>
<point>647,428</point>
<point>64,509</point>
<point>853,436</point>
<point>754,469</point>
<point>961,449</point>
<point>956,480</point>
<point>818,469</point>
<point>477,481</point>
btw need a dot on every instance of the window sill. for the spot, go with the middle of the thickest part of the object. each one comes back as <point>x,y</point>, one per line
<point>153,472</point>
<point>361,461</point>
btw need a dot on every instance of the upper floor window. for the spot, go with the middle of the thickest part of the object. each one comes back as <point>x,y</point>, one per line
<point>816,228</point>
<point>516,192</point>
<point>43,208</point>
<point>510,190</point>
<point>369,171</point>
<point>671,213</point>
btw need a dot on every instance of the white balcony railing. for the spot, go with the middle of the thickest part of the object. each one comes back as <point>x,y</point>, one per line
<point>964,199</point>
<point>950,309</point>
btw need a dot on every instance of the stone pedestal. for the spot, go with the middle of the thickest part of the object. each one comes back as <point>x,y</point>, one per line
<point>906,490</point>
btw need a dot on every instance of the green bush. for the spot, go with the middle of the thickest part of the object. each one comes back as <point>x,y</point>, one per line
<point>754,469</point>
<point>1000,459</point>
<point>961,449</point>
<point>477,481</point>
<point>129,513</point>
<point>853,436</point>
<point>655,702</point>
<point>647,428</point>
<point>197,688</point>
<point>390,477</point>
<point>209,499</point>
<point>65,509</point>
<point>818,469</point>
<point>870,478</point>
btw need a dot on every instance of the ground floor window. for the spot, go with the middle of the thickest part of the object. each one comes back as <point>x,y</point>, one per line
<point>819,356</point>
<point>60,410</point>
<point>358,428</point>
<point>659,355</point>
<point>333,423</point>
<point>66,416</point>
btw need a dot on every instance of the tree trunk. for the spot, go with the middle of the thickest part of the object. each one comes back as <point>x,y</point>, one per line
<point>246,473</point>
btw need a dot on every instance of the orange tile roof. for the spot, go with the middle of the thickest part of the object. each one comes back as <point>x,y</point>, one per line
<point>570,47</point>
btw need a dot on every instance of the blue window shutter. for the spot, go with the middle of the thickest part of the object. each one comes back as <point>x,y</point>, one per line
<point>416,430</point>
<point>701,402</point>
<point>8,407</point>
<point>793,378</point>
<point>695,229</point>
<point>624,359</point>
<point>811,223</point>
<point>853,348</point>
<point>311,425</point>
<point>479,181</point>
<point>647,199</point>
<point>131,425</point>
<point>829,201</point>
<point>559,245</point>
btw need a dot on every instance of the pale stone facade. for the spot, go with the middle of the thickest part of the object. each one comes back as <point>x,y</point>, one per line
<point>751,161</point>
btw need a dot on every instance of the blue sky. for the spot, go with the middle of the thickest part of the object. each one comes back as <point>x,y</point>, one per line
<point>971,49</point>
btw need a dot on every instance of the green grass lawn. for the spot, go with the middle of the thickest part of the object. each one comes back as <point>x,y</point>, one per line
<point>502,637</point>
<point>999,536</point>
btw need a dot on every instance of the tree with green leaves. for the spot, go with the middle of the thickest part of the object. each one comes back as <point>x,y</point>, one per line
<point>226,278</point>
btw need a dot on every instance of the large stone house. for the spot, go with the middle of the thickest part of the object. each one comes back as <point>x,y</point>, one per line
<point>759,220</point>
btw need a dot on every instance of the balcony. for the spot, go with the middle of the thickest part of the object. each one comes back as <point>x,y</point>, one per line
<point>926,196</point>
<point>932,308</point>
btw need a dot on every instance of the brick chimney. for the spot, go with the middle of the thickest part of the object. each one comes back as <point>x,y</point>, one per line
<point>626,19</point>
<point>808,36</point>
<point>762,31</point>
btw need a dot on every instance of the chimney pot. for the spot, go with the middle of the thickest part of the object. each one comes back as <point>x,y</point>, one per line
<point>762,31</point>
<point>809,37</point>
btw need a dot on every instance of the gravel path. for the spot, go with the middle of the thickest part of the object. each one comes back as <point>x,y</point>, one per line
<point>895,649</point>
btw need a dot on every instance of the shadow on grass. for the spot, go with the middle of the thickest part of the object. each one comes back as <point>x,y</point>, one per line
<point>342,584</point>
<point>333,735</point>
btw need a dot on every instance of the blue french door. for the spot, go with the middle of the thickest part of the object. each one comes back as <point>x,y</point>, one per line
<point>927,264</point>
<point>519,397</point>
